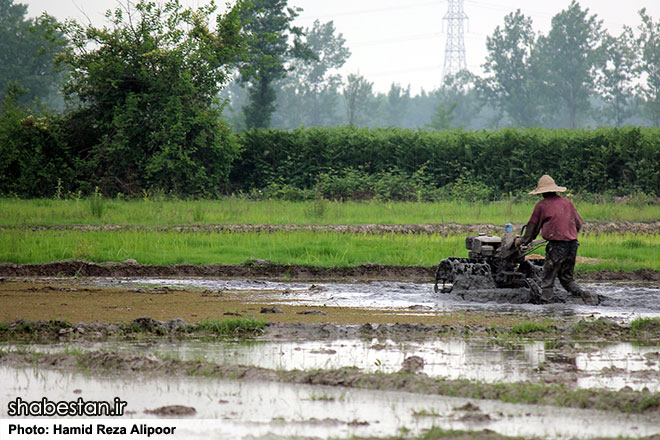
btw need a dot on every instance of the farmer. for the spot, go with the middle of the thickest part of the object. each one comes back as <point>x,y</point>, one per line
<point>559,223</point>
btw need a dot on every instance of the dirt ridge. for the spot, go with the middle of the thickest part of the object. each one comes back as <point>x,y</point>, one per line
<point>370,228</point>
<point>266,269</point>
<point>251,269</point>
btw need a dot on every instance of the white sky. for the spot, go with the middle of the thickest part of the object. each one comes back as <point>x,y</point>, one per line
<point>402,41</point>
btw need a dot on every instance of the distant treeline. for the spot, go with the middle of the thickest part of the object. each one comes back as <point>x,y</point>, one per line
<point>39,158</point>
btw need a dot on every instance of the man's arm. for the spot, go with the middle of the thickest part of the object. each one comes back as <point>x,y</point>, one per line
<point>533,225</point>
<point>531,232</point>
<point>578,221</point>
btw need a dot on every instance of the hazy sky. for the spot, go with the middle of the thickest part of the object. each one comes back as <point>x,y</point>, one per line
<point>402,41</point>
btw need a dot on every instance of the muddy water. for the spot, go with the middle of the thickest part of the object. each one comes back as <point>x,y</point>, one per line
<point>618,300</point>
<point>583,366</point>
<point>243,409</point>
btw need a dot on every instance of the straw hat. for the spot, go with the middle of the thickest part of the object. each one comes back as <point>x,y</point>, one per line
<point>547,184</point>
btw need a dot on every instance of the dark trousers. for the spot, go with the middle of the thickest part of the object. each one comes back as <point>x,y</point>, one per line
<point>560,262</point>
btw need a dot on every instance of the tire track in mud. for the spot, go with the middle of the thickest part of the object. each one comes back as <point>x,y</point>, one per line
<point>370,228</point>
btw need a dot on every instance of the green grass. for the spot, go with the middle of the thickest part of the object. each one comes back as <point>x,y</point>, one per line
<point>621,251</point>
<point>530,327</point>
<point>641,325</point>
<point>231,327</point>
<point>94,211</point>
<point>169,247</point>
<point>325,249</point>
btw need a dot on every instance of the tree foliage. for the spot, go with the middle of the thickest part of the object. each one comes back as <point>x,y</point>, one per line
<point>145,88</point>
<point>34,157</point>
<point>398,100</point>
<point>269,29</point>
<point>27,49</point>
<point>569,54</point>
<point>357,96</point>
<point>309,94</point>
<point>615,82</point>
<point>513,81</point>
<point>649,66</point>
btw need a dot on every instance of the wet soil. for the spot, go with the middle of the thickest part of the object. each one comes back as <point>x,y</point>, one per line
<point>264,269</point>
<point>79,301</point>
<point>122,300</point>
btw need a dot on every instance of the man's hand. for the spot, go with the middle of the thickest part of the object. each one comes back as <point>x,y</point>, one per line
<point>517,242</point>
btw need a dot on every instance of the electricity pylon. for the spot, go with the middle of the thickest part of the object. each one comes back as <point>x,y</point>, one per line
<point>455,47</point>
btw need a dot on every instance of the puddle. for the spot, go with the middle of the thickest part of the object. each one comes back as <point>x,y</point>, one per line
<point>243,409</point>
<point>586,366</point>
<point>619,300</point>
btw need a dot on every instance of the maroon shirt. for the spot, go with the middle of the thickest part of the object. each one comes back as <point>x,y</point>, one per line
<point>557,218</point>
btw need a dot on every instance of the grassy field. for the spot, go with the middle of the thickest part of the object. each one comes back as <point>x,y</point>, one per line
<point>47,212</point>
<point>613,252</point>
<point>22,245</point>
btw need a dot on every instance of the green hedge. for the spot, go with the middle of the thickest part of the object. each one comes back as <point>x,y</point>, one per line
<point>604,160</point>
<point>40,157</point>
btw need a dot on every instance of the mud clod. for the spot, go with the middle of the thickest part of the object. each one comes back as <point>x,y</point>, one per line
<point>271,310</point>
<point>468,407</point>
<point>312,312</point>
<point>412,365</point>
<point>358,423</point>
<point>172,410</point>
<point>146,324</point>
<point>475,418</point>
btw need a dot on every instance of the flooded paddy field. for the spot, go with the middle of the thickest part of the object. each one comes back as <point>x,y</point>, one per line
<point>378,359</point>
<point>245,409</point>
<point>579,365</point>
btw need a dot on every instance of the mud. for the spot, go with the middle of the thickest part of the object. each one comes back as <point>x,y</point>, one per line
<point>419,228</point>
<point>261,269</point>
<point>122,300</point>
<point>254,269</point>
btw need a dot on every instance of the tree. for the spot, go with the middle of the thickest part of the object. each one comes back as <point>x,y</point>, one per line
<point>27,49</point>
<point>569,54</point>
<point>615,77</point>
<point>308,95</point>
<point>513,82</point>
<point>443,116</point>
<point>269,28</point>
<point>357,96</point>
<point>145,87</point>
<point>398,100</point>
<point>649,66</point>
<point>460,89</point>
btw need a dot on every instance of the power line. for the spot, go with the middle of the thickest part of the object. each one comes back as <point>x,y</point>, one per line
<point>368,11</point>
<point>395,72</point>
<point>402,39</point>
<point>485,4</point>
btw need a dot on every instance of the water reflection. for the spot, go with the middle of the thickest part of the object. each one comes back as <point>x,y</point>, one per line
<point>586,365</point>
<point>244,409</point>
